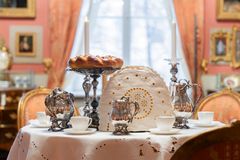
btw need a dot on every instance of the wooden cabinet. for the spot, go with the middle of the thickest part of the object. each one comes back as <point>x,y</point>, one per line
<point>9,98</point>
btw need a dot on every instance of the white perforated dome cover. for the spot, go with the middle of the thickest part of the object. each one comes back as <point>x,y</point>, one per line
<point>142,85</point>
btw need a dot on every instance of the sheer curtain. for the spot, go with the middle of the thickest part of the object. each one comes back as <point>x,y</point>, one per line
<point>139,31</point>
<point>63,22</point>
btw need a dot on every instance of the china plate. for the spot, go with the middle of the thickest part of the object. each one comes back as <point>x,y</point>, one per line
<point>157,131</point>
<point>77,132</point>
<point>198,123</point>
<point>36,124</point>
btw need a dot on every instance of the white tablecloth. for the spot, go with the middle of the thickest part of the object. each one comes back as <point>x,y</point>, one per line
<point>41,144</point>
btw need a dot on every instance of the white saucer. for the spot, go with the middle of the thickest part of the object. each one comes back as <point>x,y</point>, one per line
<point>198,123</point>
<point>36,124</point>
<point>77,132</point>
<point>157,131</point>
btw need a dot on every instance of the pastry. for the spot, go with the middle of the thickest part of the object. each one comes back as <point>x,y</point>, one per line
<point>91,61</point>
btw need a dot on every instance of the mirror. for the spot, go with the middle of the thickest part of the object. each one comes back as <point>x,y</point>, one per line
<point>17,8</point>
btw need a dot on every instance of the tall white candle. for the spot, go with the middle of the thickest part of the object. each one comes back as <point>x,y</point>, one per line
<point>173,58</point>
<point>86,36</point>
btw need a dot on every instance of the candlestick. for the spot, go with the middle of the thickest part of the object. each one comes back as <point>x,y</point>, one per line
<point>173,58</point>
<point>86,36</point>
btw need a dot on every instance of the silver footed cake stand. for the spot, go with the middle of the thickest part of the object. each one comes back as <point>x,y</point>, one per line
<point>94,74</point>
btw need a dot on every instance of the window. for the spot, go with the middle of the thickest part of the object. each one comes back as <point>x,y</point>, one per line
<point>139,31</point>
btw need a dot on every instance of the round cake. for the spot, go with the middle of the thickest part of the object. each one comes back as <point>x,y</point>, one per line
<point>91,61</point>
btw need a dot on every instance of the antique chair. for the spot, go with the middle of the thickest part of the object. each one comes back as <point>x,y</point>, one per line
<point>216,144</point>
<point>225,104</point>
<point>32,102</point>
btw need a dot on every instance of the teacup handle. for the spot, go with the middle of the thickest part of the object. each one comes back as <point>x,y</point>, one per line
<point>90,121</point>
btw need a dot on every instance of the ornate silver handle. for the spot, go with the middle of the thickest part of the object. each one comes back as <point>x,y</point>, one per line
<point>136,110</point>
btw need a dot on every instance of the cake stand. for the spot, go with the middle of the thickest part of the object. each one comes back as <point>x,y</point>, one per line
<point>93,73</point>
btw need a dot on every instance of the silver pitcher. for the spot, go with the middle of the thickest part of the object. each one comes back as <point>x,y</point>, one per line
<point>122,114</point>
<point>182,102</point>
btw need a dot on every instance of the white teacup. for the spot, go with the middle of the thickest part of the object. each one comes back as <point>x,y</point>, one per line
<point>43,118</point>
<point>165,123</point>
<point>80,123</point>
<point>205,116</point>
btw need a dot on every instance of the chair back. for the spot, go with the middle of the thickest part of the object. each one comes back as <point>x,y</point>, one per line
<point>221,143</point>
<point>225,104</point>
<point>31,103</point>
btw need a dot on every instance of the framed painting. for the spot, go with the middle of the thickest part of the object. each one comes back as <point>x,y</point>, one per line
<point>236,47</point>
<point>230,80</point>
<point>228,9</point>
<point>25,44</point>
<point>220,46</point>
<point>17,8</point>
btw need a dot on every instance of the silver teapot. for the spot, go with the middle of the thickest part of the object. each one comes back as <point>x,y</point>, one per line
<point>122,114</point>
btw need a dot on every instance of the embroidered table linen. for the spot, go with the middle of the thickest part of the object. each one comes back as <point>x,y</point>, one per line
<point>41,144</point>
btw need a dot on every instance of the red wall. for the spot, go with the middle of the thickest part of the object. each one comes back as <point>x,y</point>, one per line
<point>41,19</point>
<point>211,22</point>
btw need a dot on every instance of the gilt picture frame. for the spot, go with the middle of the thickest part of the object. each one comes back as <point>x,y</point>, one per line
<point>17,9</point>
<point>26,44</point>
<point>235,47</point>
<point>228,10</point>
<point>220,46</point>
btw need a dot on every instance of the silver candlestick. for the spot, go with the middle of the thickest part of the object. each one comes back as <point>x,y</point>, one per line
<point>87,87</point>
<point>173,83</point>
<point>174,71</point>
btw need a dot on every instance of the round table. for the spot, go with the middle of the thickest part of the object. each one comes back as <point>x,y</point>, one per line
<point>41,144</point>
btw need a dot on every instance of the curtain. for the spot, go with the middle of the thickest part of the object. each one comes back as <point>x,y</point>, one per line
<point>63,23</point>
<point>185,12</point>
